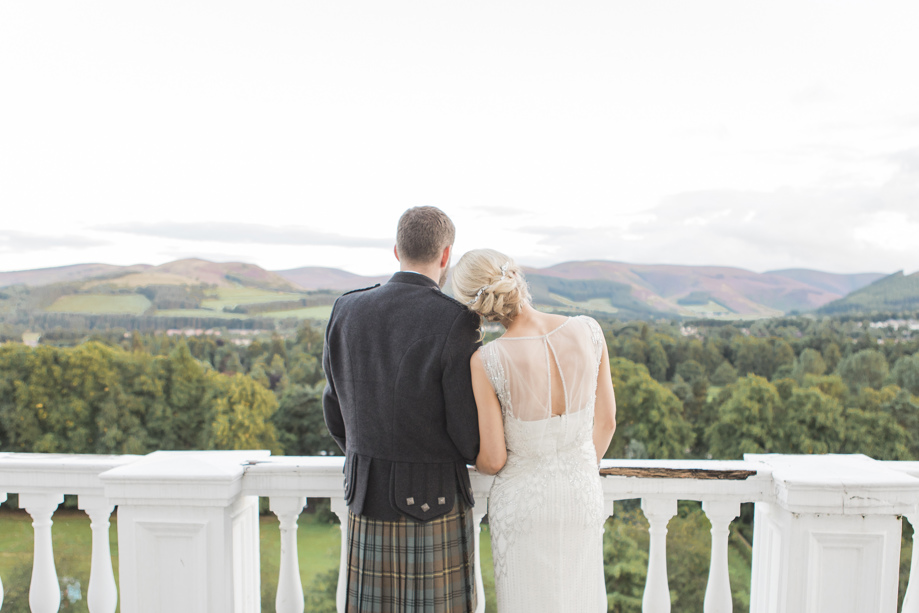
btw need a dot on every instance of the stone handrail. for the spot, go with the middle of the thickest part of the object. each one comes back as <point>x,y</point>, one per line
<point>826,534</point>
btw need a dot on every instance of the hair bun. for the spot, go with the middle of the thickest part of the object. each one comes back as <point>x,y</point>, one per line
<point>491,284</point>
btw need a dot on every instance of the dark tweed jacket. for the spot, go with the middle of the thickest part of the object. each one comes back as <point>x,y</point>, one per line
<point>398,399</point>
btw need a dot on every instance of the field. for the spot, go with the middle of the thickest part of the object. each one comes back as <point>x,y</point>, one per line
<point>711,309</point>
<point>199,313</point>
<point>92,304</point>
<point>314,312</point>
<point>602,305</point>
<point>235,296</point>
<point>318,547</point>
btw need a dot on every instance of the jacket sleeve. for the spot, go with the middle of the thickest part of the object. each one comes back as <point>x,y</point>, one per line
<point>459,402</point>
<point>331,409</point>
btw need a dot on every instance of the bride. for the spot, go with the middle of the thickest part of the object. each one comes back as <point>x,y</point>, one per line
<point>547,414</point>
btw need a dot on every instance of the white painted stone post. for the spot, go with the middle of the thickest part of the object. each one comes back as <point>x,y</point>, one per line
<point>289,598</point>
<point>44,591</point>
<point>478,514</point>
<point>187,536</point>
<point>830,539</point>
<point>609,509</point>
<point>341,510</point>
<point>2,500</point>
<point>718,591</point>
<point>658,511</point>
<point>911,598</point>
<point>102,594</point>
<point>481,487</point>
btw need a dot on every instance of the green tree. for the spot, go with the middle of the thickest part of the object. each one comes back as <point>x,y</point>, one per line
<point>809,362</point>
<point>905,373</point>
<point>300,424</point>
<point>178,418</point>
<point>242,416</point>
<point>813,423</point>
<point>625,561</point>
<point>725,374</point>
<point>877,435</point>
<point>690,370</point>
<point>831,385</point>
<point>867,368</point>
<point>904,408</point>
<point>832,356</point>
<point>745,419</point>
<point>657,361</point>
<point>647,412</point>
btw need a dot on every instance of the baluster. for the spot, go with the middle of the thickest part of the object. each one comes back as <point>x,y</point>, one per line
<point>44,591</point>
<point>478,514</point>
<point>718,591</point>
<point>2,500</point>
<point>290,589</point>
<point>911,599</point>
<point>102,594</point>
<point>609,508</point>
<point>657,589</point>
<point>341,510</point>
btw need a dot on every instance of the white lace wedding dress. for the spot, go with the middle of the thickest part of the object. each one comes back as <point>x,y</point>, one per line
<point>545,509</point>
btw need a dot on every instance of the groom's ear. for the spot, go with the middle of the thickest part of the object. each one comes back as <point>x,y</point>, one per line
<point>395,251</point>
<point>445,256</point>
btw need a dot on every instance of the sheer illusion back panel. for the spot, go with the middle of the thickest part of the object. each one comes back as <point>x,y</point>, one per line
<point>545,507</point>
<point>530,363</point>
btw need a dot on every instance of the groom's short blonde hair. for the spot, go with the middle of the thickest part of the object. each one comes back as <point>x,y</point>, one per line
<point>423,233</point>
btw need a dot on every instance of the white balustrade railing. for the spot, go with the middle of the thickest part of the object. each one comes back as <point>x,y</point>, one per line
<point>41,480</point>
<point>826,533</point>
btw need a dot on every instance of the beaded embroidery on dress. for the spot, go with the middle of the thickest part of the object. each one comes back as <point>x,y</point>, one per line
<point>545,509</point>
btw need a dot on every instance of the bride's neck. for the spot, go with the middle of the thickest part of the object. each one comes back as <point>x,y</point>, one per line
<point>525,319</point>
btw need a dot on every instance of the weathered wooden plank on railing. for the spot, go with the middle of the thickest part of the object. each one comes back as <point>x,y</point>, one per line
<point>677,473</point>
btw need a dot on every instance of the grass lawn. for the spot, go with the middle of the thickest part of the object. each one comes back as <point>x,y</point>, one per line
<point>132,304</point>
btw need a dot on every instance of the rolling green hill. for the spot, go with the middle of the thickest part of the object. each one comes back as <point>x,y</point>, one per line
<point>207,293</point>
<point>896,292</point>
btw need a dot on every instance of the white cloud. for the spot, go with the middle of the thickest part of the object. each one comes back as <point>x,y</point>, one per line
<point>241,233</point>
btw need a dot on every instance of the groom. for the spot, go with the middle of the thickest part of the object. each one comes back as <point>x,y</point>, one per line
<point>399,403</point>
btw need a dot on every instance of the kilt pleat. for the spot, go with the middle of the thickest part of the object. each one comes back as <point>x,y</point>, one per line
<point>412,567</point>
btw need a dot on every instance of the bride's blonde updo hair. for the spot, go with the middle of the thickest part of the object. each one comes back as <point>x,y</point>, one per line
<point>491,284</point>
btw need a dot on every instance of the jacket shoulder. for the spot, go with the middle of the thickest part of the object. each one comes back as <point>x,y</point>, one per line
<point>363,289</point>
<point>452,301</point>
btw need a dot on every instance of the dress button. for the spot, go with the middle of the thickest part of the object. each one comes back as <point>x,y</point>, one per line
<point>425,507</point>
<point>441,500</point>
<point>409,501</point>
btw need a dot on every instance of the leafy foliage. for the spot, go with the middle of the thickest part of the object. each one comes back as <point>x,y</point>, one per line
<point>648,413</point>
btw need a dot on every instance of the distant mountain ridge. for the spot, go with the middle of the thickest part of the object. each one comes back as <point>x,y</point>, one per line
<point>627,290</point>
<point>317,278</point>
<point>710,290</point>
<point>61,274</point>
<point>190,271</point>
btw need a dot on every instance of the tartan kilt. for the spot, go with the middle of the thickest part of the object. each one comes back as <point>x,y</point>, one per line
<point>412,567</point>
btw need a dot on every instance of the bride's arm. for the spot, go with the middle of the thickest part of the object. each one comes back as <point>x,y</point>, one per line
<point>605,411</point>
<point>492,449</point>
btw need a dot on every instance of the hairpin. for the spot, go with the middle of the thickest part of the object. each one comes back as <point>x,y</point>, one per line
<point>478,294</point>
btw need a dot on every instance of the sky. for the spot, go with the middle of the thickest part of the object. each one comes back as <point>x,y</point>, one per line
<point>761,135</point>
